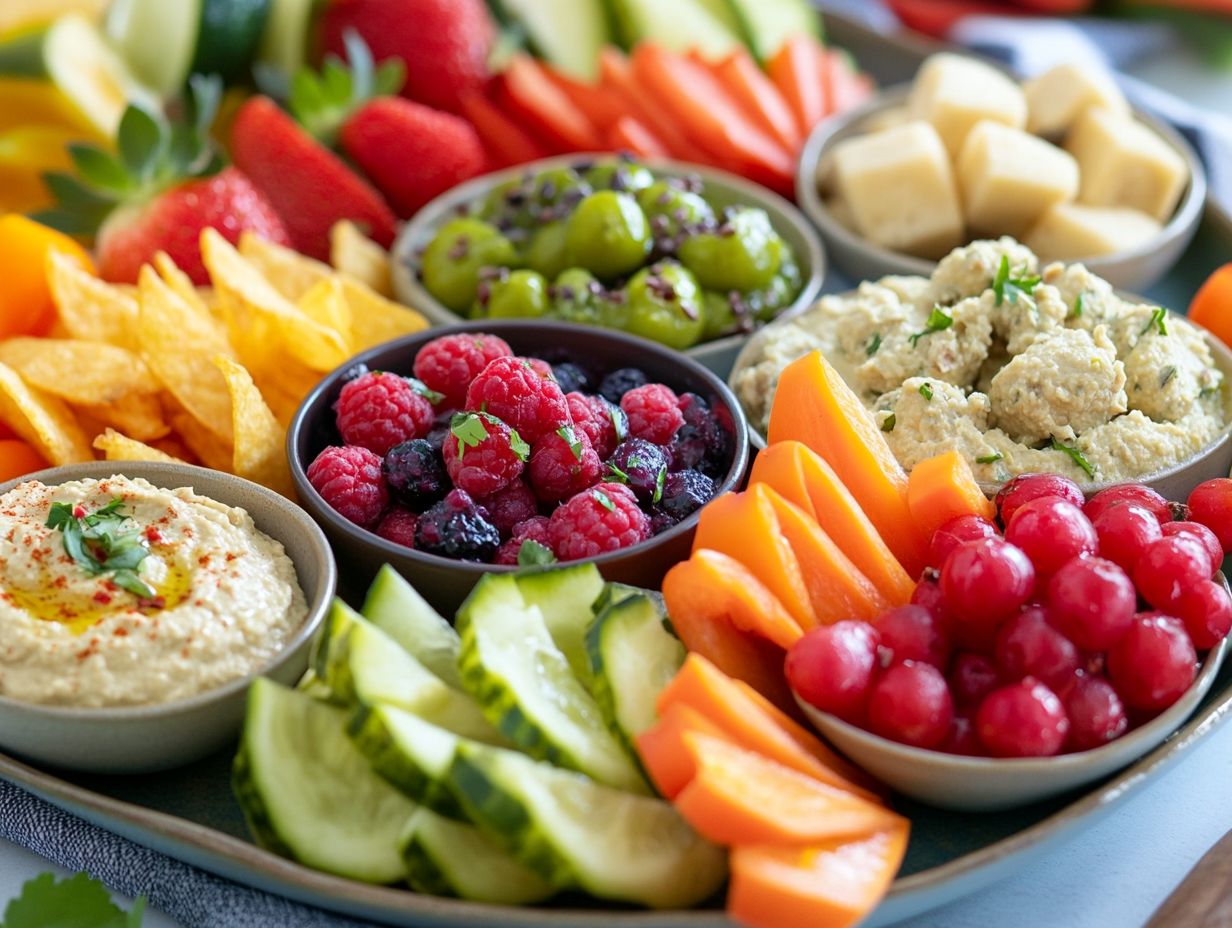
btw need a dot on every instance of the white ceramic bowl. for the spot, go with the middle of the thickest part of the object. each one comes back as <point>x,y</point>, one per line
<point>142,739</point>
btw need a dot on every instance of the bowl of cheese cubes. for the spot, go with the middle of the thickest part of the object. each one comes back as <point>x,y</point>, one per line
<point>1061,162</point>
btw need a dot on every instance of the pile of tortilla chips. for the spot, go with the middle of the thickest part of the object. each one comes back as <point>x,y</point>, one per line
<point>168,371</point>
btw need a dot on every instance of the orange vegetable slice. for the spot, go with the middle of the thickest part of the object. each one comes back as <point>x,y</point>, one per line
<point>616,75</point>
<point>795,70</point>
<point>545,106</point>
<point>1212,304</point>
<point>18,458</point>
<point>503,139</point>
<point>941,488</point>
<point>630,134</point>
<point>663,750</point>
<point>26,306</point>
<point>759,98</point>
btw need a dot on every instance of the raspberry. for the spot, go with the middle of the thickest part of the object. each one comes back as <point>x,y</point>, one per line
<point>511,389</point>
<point>619,382</point>
<point>448,364</point>
<point>684,492</point>
<point>482,454</point>
<point>641,466</point>
<point>603,518</point>
<point>415,473</point>
<point>533,529</point>
<point>457,528</point>
<point>605,424</point>
<point>653,413</point>
<point>398,526</point>
<point>507,507</point>
<point>570,377</point>
<point>562,464</point>
<point>379,410</point>
<point>350,480</point>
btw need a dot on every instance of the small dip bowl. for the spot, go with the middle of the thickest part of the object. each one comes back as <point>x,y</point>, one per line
<point>444,582</point>
<point>861,259</point>
<point>984,784</point>
<point>722,189</point>
<point>142,739</point>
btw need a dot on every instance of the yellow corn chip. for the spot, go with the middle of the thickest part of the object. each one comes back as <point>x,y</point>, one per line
<point>89,308</point>
<point>359,257</point>
<point>78,371</point>
<point>180,282</point>
<point>258,453</point>
<point>177,343</point>
<point>43,420</point>
<point>138,416</point>
<point>204,444</point>
<point>375,319</point>
<point>288,272</point>
<point>326,303</point>
<point>119,447</point>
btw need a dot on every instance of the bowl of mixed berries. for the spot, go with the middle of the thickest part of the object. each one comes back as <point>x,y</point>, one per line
<point>491,445</point>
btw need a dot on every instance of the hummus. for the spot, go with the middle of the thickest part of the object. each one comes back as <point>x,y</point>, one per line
<point>225,598</point>
<point>1031,370</point>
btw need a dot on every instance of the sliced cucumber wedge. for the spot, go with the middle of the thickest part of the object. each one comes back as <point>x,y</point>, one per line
<point>163,65</point>
<point>413,755</point>
<point>448,858</point>
<point>284,40</point>
<point>565,595</point>
<point>614,593</point>
<point>309,794</point>
<point>632,656</point>
<point>574,831</point>
<point>523,682</point>
<point>767,24</point>
<point>705,25</point>
<point>397,609</point>
<point>568,33</point>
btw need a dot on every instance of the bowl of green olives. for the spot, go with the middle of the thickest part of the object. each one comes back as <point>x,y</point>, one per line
<point>690,257</point>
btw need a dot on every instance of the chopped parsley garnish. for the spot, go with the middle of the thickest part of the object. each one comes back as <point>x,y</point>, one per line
<point>98,543</point>
<point>1158,321</point>
<point>1207,391</point>
<point>470,431</point>
<point>888,423</point>
<point>926,390</point>
<point>660,478</point>
<point>617,475</point>
<point>1166,375</point>
<point>989,458</point>
<point>570,438</point>
<point>1079,306</point>
<point>432,396</point>
<point>533,554</point>
<point>74,900</point>
<point>1010,288</point>
<point>620,422</point>
<point>604,500</point>
<point>873,344</point>
<point>1076,456</point>
<point>938,321</point>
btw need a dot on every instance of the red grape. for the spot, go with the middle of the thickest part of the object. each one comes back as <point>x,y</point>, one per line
<point>1050,531</point>
<point>912,633</point>
<point>955,532</point>
<point>1153,663</point>
<point>831,667</point>
<point>1092,601</point>
<point>927,593</point>
<point>1024,719</point>
<point>985,581</point>
<point>1027,646</point>
<point>1096,714</point>
<point>1129,494</point>
<point>1206,611</point>
<point>1199,531</point>
<point>1211,504</point>
<point>1171,566</point>
<point>1124,532</point>
<point>961,738</point>
<point>972,677</point>
<point>910,703</point>
<point>1026,487</point>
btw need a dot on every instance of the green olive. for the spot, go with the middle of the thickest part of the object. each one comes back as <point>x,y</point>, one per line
<point>742,254</point>
<point>559,186</point>
<point>451,262</point>
<point>671,209</point>
<point>608,234</point>
<point>520,295</point>
<point>726,314</point>
<point>620,175</point>
<point>545,252</point>
<point>665,304</point>
<point>577,296</point>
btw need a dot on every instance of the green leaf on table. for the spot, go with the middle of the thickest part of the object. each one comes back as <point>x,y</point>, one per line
<point>78,901</point>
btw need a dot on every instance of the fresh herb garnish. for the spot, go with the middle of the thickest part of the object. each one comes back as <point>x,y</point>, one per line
<point>989,458</point>
<point>1158,321</point>
<point>77,900</point>
<point>604,500</point>
<point>926,390</point>
<point>660,478</point>
<point>888,423</point>
<point>873,344</point>
<point>519,446</point>
<point>471,431</point>
<point>620,422</point>
<point>1010,288</point>
<point>432,396</point>
<point>938,321</point>
<point>1076,456</point>
<point>1166,375</point>
<point>98,545</point>
<point>1207,391</point>
<point>1079,306</point>
<point>532,554</point>
<point>570,438</point>
<point>618,475</point>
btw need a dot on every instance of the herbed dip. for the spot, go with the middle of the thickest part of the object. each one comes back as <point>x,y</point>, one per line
<point>118,593</point>
<point>1020,369</point>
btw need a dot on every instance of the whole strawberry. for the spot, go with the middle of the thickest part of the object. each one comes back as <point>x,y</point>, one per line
<point>165,187</point>
<point>444,43</point>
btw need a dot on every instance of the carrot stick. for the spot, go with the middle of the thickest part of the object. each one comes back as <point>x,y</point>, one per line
<point>796,70</point>
<point>631,134</point>
<point>759,98</point>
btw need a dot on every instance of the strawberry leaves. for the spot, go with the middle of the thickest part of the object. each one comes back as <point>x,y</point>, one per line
<point>322,102</point>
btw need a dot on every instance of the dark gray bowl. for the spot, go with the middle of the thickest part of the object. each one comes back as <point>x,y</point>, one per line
<point>445,582</point>
<point>722,189</point>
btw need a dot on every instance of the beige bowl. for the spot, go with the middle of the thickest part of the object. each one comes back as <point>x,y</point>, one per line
<point>141,739</point>
<point>861,259</point>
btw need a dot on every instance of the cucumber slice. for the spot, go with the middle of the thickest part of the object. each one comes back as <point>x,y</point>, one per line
<point>413,755</point>
<point>678,25</point>
<point>614,593</point>
<point>574,831</point>
<point>396,608</point>
<point>633,657</point>
<point>227,37</point>
<point>448,858</point>
<point>163,65</point>
<point>524,684</point>
<point>307,793</point>
<point>361,664</point>
<point>767,24</point>
<point>568,33</point>
<point>284,41</point>
<point>564,595</point>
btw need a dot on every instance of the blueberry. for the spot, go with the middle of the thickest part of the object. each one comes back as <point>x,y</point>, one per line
<point>572,379</point>
<point>640,465</point>
<point>621,381</point>
<point>696,436</point>
<point>684,492</point>
<point>457,528</point>
<point>415,473</point>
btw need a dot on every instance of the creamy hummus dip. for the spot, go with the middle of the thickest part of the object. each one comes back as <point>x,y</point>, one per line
<point>211,598</point>
<point>1019,368</point>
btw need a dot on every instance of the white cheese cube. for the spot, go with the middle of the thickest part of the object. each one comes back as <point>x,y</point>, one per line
<point>1008,178</point>
<point>889,118</point>
<point>1056,98</point>
<point>1072,232</point>
<point>1123,163</point>
<point>900,187</point>
<point>954,93</point>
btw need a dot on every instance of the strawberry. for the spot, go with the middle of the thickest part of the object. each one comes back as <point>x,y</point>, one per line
<point>164,187</point>
<point>444,43</point>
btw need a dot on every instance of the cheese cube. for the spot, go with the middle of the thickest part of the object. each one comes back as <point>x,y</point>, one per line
<point>1056,98</point>
<point>1123,163</point>
<point>900,187</point>
<point>1071,232</point>
<point>954,93</point>
<point>1008,178</point>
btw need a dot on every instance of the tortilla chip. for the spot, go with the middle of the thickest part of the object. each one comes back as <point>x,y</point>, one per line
<point>89,308</point>
<point>180,282</point>
<point>258,453</point>
<point>177,343</point>
<point>204,444</point>
<point>326,304</point>
<point>139,416</point>
<point>354,254</point>
<point>288,272</point>
<point>375,319</point>
<point>119,447</point>
<point>174,447</point>
<point>45,421</point>
<point>78,371</point>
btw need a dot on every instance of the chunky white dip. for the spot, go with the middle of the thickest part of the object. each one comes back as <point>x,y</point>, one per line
<point>226,597</point>
<point>1022,371</point>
